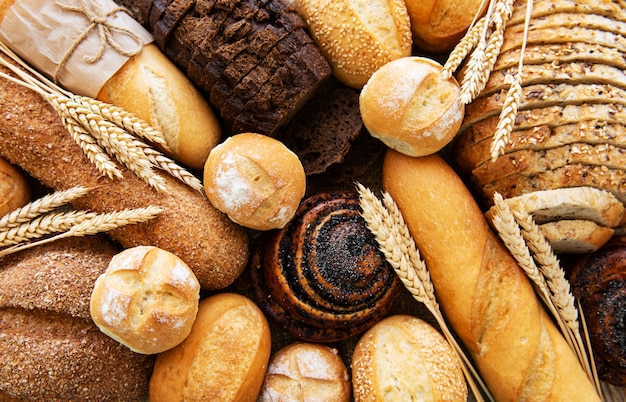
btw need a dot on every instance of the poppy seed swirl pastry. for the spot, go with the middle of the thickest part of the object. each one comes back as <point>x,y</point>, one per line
<point>322,277</point>
<point>599,283</point>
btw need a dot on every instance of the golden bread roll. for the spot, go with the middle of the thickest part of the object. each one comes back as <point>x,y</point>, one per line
<point>256,180</point>
<point>153,88</point>
<point>33,137</point>
<point>147,299</point>
<point>224,358</point>
<point>487,298</point>
<point>406,105</point>
<point>403,358</point>
<point>15,191</point>
<point>438,25</point>
<point>305,371</point>
<point>358,37</point>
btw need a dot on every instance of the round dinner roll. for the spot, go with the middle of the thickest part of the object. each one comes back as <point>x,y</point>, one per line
<point>403,358</point>
<point>410,108</point>
<point>15,191</point>
<point>147,299</point>
<point>256,180</point>
<point>357,37</point>
<point>438,25</point>
<point>224,358</point>
<point>305,371</point>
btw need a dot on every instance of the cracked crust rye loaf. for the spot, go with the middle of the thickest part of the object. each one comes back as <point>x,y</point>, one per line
<point>33,137</point>
<point>254,59</point>
<point>50,348</point>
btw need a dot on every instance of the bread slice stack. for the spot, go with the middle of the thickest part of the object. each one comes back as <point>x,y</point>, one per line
<point>569,129</point>
<point>254,60</point>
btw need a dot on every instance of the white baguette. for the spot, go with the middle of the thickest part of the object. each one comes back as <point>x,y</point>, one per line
<point>486,297</point>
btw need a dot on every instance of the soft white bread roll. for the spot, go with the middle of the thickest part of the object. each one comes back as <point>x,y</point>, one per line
<point>403,358</point>
<point>486,297</point>
<point>438,25</point>
<point>224,358</point>
<point>152,87</point>
<point>15,191</point>
<point>358,37</point>
<point>407,105</point>
<point>147,299</point>
<point>256,180</point>
<point>304,371</point>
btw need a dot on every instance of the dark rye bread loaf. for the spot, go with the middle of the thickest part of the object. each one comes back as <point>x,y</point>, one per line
<point>49,347</point>
<point>254,60</point>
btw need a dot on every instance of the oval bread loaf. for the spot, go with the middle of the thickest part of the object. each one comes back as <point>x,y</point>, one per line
<point>407,105</point>
<point>224,358</point>
<point>403,358</point>
<point>358,37</point>
<point>33,137</point>
<point>15,191</point>
<point>487,298</point>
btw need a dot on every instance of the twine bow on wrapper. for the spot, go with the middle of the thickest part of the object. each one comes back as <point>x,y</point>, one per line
<point>98,19</point>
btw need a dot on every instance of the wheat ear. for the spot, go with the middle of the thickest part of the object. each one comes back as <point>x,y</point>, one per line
<point>90,223</point>
<point>41,206</point>
<point>385,221</point>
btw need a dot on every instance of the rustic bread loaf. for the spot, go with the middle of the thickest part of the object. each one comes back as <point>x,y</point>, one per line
<point>33,137</point>
<point>50,348</point>
<point>490,303</point>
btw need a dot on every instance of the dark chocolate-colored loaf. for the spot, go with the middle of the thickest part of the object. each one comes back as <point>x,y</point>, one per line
<point>254,59</point>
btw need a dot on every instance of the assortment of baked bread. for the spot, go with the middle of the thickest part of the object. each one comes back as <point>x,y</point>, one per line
<point>267,283</point>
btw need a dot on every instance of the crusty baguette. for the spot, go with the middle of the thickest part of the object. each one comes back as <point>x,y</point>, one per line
<point>486,297</point>
<point>49,347</point>
<point>33,137</point>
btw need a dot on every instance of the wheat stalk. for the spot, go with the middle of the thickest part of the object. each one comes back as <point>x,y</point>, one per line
<point>506,121</point>
<point>164,163</point>
<point>385,221</point>
<point>463,48</point>
<point>41,206</point>
<point>82,223</point>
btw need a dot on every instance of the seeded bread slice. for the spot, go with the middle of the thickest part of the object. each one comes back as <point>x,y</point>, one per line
<point>473,148</point>
<point>569,20</point>
<point>607,8</point>
<point>531,162</point>
<point>544,95</point>
<point>574,203</point>
<point>575,236</point>
<point>600,177</point>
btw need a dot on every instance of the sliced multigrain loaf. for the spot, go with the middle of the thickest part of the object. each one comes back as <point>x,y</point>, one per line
<point>575,236</point>
<point>561,53</point>
<point>530,162</point>
<point>600,177</point>
<point>607,8</point>
<point>473,148</point>
<point>574,203</point>
<point>544,95</point>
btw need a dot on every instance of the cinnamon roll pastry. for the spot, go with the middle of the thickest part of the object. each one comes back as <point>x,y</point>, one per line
<point>322,277</point>
<point>599,283</point>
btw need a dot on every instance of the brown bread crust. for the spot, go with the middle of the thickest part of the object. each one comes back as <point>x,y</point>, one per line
<point>33,137</point>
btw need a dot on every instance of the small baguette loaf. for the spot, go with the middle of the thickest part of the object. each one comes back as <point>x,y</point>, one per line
<point>33,137</point>
<point>486,297</point>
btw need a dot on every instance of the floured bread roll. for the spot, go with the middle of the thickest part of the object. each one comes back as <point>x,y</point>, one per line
<point>305,371</point>
<point>256,180</point>
<point>147,299</point>
<point>403,358</point>
<point>408,106</point>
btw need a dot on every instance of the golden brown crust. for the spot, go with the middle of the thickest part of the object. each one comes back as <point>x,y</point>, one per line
<point>32,136</point>
<point>50,348</point>
<point>15,190</point>
<point>489,303</point>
